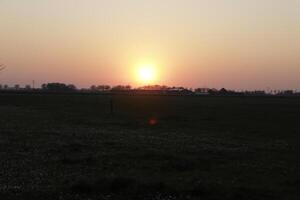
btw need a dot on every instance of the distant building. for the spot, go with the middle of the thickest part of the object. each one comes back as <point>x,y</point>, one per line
<point>255,93</point>
<point>202,91</point>
<point>287,92</point>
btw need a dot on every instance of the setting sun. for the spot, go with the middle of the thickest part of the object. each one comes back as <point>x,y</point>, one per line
<point>146,73</point>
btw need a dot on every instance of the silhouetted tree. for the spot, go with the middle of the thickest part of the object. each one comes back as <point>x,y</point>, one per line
<point>99,88</point>
<point>58,87</point>
<point>223,91</point>
<point>213,91</point>
<point>27,87</point>
<point>103,87</point>
<point>93,88</point>
<point>154,87</point>
<point>71,87</point>
<point>121,88</point>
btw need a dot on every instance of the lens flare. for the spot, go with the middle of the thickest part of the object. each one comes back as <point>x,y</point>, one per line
<point>153,122</point>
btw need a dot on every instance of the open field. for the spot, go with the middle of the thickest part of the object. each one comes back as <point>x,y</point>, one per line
<point>151,147</point>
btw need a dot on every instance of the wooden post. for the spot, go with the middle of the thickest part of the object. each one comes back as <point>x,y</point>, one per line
<point>111,106</point>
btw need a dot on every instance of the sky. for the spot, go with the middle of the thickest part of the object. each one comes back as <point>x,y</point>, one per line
<point>236,44</point>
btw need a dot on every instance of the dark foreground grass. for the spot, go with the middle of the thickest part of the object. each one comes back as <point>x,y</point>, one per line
<point>71,147</point>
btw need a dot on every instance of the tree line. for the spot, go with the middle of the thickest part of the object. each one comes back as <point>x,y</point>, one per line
<point>148,89</point>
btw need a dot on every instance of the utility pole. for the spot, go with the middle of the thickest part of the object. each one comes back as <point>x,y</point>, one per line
<point>111,102</point>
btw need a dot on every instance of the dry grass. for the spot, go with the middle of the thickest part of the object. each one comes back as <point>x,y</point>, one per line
<point>70,147</point>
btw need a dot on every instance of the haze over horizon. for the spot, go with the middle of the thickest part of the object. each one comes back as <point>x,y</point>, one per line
<point>245,44</point>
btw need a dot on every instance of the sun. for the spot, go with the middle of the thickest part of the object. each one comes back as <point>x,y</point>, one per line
<point>146,73</point>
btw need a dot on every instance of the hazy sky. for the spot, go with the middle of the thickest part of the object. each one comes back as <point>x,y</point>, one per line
<point>238,44</point>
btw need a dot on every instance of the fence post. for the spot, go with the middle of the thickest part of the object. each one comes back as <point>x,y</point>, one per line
<point>111,102</point>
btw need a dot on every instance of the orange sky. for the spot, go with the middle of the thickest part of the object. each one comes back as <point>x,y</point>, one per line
<point>245,44</point>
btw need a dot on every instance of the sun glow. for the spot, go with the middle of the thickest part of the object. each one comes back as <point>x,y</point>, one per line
<point>146,73</point>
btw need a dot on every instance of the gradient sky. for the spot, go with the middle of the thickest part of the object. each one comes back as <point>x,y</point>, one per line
<point>237,44</point>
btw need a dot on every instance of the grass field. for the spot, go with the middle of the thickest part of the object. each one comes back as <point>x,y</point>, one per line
<point>151,147</point>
